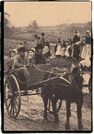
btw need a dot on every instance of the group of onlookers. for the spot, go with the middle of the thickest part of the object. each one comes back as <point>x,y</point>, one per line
<point>77,48</point>
<point>41,53</point>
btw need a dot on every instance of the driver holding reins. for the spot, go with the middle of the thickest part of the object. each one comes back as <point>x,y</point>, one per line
<point>20,63</point>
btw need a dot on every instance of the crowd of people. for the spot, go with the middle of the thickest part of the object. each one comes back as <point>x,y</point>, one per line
<point>77,48</point>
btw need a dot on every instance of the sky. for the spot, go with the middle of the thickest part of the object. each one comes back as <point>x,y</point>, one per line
<point>48,13</point>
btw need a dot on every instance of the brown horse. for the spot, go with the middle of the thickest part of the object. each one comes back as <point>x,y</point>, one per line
<point>70,92</point>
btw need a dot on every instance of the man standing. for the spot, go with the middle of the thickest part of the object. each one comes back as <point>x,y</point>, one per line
<point>76,48</point>
<point>31,56</point>
<point>9,61</point>
<point>35,40</point>
<point>39,57</point>
<point>43,39</point>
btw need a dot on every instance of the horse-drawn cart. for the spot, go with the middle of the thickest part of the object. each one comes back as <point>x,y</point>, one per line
<point>14,86</point>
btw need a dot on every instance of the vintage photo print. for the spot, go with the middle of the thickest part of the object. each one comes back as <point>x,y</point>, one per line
<point>47,67</point>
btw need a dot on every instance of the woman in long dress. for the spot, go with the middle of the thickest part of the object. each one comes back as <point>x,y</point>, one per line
<point>58,49</point>
<point>68,50</point>
<point>82,48</point>
<point>86,51</point>
<point>88,44</point>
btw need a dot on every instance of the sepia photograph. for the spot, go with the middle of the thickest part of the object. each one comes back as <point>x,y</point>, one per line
<point>47,66</point>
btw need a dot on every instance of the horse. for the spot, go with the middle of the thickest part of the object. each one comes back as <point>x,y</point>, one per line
<point>70,92</point>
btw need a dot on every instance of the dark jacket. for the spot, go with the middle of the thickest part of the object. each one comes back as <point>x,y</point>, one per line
<point>19,61</point>
<point>88,40</point>
<point>76,39</point>
<point>39,58</point>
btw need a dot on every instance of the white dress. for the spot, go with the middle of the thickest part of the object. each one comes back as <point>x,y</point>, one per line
<point>86,51</point>
<point>67,52</point>
<point>85,62</point>
<point>63,51</point>
<point>59,50</point>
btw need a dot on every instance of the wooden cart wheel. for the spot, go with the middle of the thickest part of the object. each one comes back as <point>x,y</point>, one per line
<point>12,97</point>
<point>58,105</point>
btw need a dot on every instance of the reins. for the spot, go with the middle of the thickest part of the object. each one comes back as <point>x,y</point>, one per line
<point>51,72</point>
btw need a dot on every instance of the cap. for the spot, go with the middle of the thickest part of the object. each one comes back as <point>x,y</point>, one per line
<point>32,49</point>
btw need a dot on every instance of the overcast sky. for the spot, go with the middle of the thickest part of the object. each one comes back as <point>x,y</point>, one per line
<point>48,13</point>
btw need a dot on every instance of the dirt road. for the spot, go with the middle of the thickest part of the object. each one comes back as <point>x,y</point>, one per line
<point>31,117</point>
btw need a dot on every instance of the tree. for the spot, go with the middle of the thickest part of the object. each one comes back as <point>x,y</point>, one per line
<point>33,27</point>
<point>7,27</point>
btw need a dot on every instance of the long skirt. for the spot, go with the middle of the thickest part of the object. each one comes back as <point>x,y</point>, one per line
<point>76,51</point>
<point>68,51</point>
<point>86,51</point>
<point>63,51</point>
<point>88,47</point>
<point>83,53</point>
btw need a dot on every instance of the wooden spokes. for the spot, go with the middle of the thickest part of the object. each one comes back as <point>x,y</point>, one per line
<point>12,98</point>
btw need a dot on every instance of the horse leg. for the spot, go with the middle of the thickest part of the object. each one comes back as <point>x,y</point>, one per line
<point>68,114</point>
<point>79,114</point>
<point>54,101</point>
<point>45,100</point>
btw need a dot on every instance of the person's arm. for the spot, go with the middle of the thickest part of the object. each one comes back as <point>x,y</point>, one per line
<point>17,64</point>
<point>55,48</point>
<point>9,64</point>
<point>74,39</point>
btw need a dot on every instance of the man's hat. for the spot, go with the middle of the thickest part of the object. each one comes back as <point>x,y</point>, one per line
<point>21,49</point>
<point>42,33</point>
<point>76,31</point>
<point>87,31</point>
<point>12,50</point>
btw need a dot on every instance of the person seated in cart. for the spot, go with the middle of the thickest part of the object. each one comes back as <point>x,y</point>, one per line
<point>46,53</point>
<point>31,56</point>
<point>76,48</point>
<point>12,53</point>
<point>9,61</point>
<point>43,39</point>
<point>20,63</point>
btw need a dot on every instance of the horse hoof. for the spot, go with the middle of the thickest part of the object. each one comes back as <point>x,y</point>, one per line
<point>67,127</point>
<point>45,120</point>
<point>80,127</point>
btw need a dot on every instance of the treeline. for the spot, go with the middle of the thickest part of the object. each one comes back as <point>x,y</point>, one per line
<point>63,31</point>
